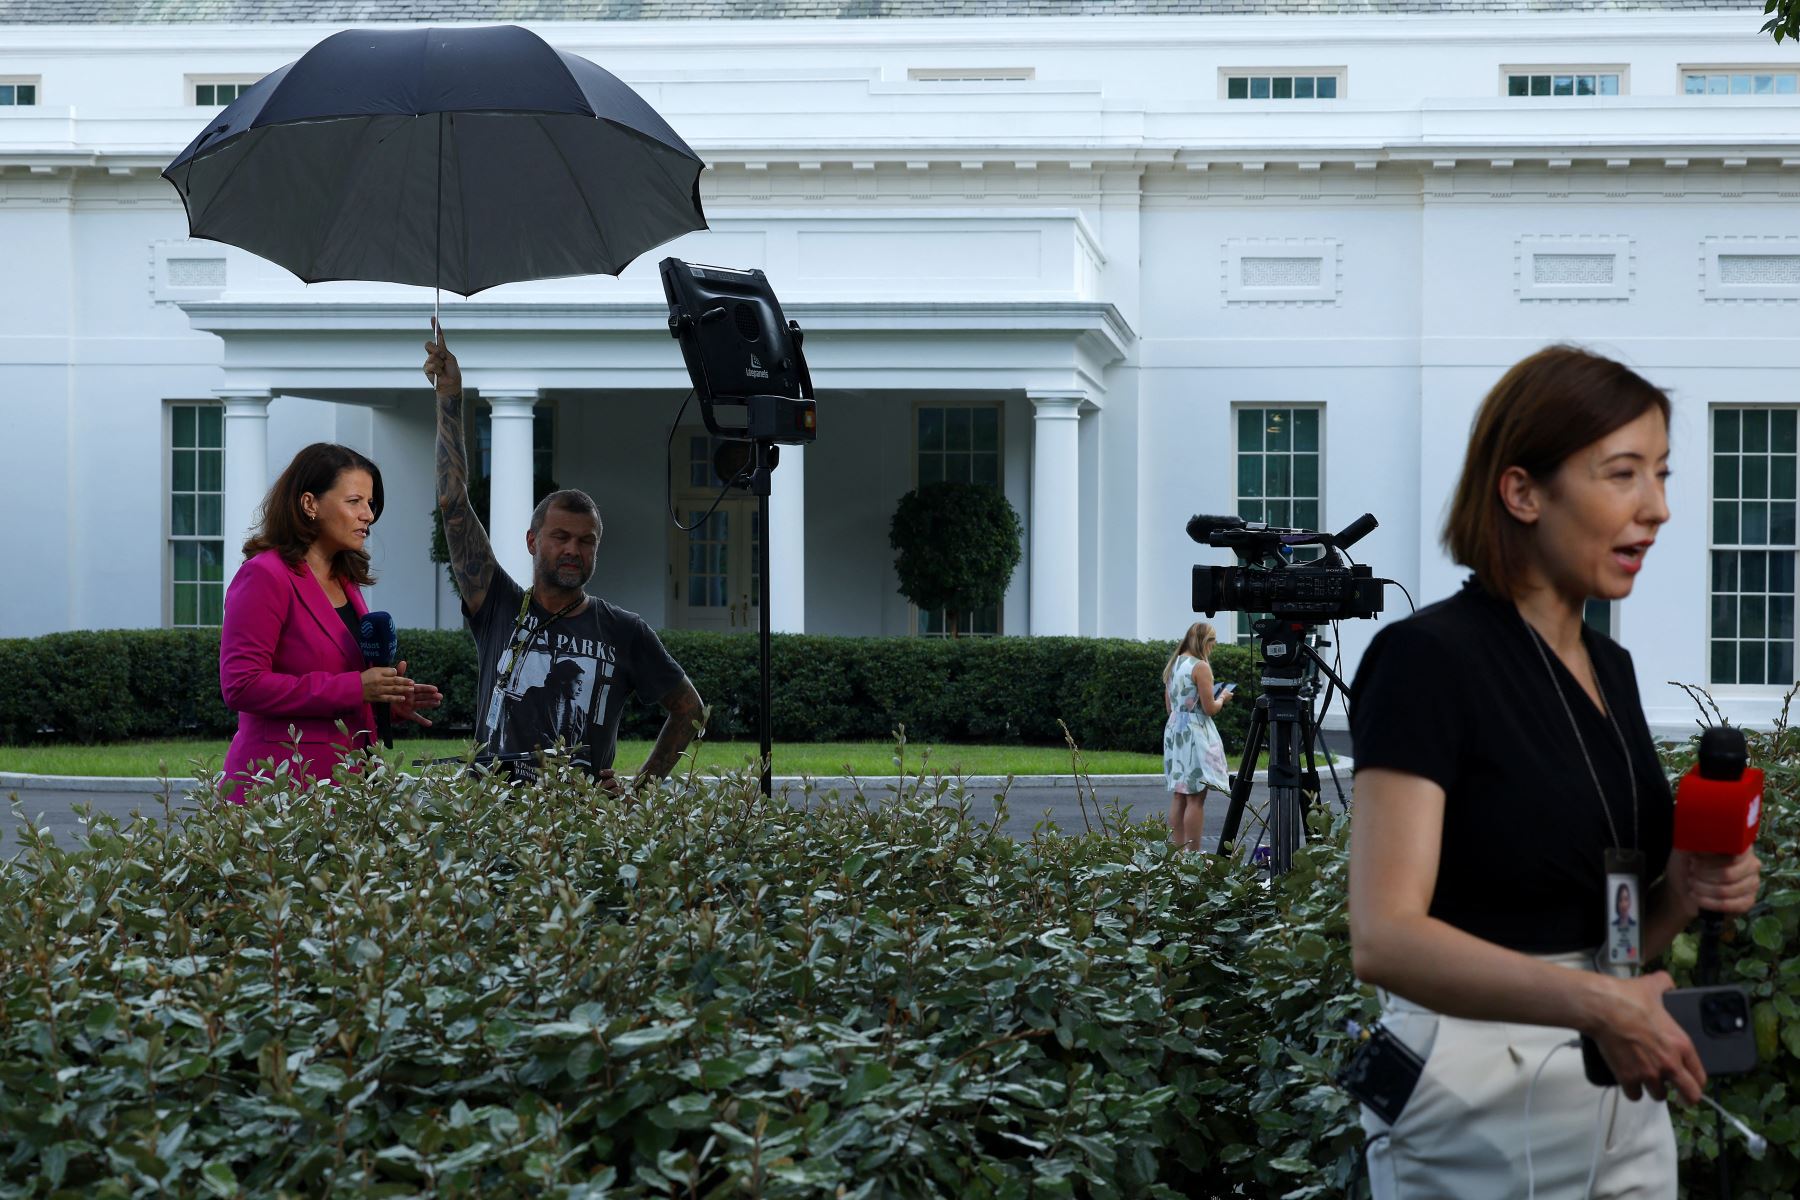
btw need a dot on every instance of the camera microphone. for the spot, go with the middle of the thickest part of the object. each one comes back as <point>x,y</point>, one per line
<point>1201,527</point>
<point>380,647</point>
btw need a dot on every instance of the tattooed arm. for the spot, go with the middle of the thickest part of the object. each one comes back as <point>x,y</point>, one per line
<point>471,557</point>
<point>684,709</point>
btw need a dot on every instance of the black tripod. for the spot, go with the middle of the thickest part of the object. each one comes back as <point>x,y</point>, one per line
<point>762,467</point>
<point>1284,721</point>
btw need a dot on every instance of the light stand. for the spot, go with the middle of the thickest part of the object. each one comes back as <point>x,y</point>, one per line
<point>741,351</point>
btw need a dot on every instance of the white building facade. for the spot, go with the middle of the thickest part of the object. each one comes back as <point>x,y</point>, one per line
<point>1126,267</point>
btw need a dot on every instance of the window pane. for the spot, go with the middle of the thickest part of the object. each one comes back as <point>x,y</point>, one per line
<point>212,427</point>
<point>1280,475</point>
<point>1585,86</point>
<point>184,471</point>
<point>1540,85</point>
<point>1750,663</point>
<point>1518,85</point>
<point>183,556</point>
<point>1306,515</point>
<point>1724,571</point>
<point>208,520</point>
<point>1781,573</point>
<point>1724,662</point>
<point>181,520</point>
<point>1279,429</point>
<point>1755,573</point>
<point>1725,429</point>
<point>1781,663</point>
<point>1609,85</point>
<point>987,469</point>
<point>1250,510</point>
<point>1724,616</point>
<point>1562,85</point>
<point>1718,85</point>
<point>1756,428</point>
<point>1756,477</point>
<point>1725,478</point>
<point>1725,523</point>
<point>1693,85</point>
<point>1303,87</point>
<point>931,469</point>
<point>187,606</point>
<point>956,468</point>
<point>1740,85</point>
<point>1755,524</point>
<point>1327,87</point>
<point>212,470</point>
<point>957,433</point>
<point>931,429</point>
<point>1781,618</point>
<point>1598,615</point>
<point>1781,430</point>
<point>1250,475</point>
<point>1306,429</point>
<point>1781,524</point>
<point>987,429</point>
<point>212,605</point>
<point>1764,85</point>
<point>183,425</point>
<point>1237,88</point>
<point>1259,88</point>
<point>1250,428</point>
<point>1784,85</point>
<point>1306,475</point>
<point>1280,513</point>
<point>203,93</point>
<point>1283,87</point>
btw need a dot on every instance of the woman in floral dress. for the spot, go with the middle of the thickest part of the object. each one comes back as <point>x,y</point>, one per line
<point>1193,754</point>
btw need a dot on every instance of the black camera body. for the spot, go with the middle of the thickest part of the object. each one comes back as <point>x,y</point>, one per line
<point>1267,580</point>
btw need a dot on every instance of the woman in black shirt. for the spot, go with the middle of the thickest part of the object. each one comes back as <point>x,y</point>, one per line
<point>1507,786</point>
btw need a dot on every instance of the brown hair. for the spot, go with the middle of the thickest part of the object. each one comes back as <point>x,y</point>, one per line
<point>1198,641</point>
<point>1543,410</point>
<point>283,525</point>
<point>571,500</point>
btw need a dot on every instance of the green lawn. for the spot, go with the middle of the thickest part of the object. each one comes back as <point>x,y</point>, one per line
<point>150,759</point>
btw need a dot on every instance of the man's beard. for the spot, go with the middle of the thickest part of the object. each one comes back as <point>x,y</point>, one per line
<point>559,574</point>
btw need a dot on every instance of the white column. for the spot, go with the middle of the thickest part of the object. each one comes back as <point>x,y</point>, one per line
<point>509,482</point>
<point>787,543</point>
<point>1056,513</point>
<point>246,470</point>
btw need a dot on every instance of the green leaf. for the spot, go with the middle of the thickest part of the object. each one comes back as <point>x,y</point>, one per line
<point>219,1179</point>
<point>1765,931</point>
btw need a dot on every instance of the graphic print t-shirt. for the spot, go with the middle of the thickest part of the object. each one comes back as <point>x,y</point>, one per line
<point>570,679</point>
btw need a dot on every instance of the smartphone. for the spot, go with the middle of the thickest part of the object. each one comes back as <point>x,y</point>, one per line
<point>1717,1021</point>
<point>1219,689</point>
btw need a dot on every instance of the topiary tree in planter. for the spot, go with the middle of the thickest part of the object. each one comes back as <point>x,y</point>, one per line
<point>958,546</point>
<point>541,486</point>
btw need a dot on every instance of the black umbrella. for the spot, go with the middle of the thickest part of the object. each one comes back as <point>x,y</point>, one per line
<point>453,158</point>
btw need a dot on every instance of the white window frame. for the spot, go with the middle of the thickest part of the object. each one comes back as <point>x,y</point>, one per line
<point>195,81</point>
<point>1341,75</point>
<point>34,82</point>
<point>913,612</point>
<point>170,537</point>
<point>1792,548</point>
<point>1622,70</point>
<point>1241,632</point>
<point>1747,70</point>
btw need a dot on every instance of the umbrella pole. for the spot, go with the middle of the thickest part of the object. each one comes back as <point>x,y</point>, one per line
<point>437,284</point>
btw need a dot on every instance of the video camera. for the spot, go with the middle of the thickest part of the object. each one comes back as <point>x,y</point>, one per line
<point>1269,581</point>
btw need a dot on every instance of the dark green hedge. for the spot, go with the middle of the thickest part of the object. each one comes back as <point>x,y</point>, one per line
<point>117,684</point>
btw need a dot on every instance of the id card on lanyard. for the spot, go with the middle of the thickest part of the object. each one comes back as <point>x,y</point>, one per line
<point>1624,908</point>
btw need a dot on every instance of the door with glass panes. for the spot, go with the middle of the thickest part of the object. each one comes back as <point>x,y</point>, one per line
<point>713,580</point>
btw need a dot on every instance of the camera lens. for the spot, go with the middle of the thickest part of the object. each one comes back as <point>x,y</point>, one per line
<point>1724,1014</point>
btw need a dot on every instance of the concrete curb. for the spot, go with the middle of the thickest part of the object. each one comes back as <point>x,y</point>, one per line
<point>14,781</point>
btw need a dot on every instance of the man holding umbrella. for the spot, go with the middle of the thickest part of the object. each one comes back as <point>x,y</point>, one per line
<point>555,663</point>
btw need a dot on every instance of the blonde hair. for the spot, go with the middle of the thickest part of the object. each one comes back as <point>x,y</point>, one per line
<point>1199,642</point>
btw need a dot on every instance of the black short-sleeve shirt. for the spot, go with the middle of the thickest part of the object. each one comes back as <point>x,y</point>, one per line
<point>570,678</point>
<point>1458,694</point>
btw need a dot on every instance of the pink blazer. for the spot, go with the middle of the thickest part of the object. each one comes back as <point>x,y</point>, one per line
<point>287,660</point>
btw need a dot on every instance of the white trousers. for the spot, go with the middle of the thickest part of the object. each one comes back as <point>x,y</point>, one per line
<point>1463,1134</point>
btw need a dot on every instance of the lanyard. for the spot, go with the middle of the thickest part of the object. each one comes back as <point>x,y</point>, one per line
<point>522,635</point>
<point>1537,639</point>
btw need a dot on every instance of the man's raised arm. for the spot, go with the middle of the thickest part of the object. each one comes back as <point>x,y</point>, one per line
<point>471,556</point>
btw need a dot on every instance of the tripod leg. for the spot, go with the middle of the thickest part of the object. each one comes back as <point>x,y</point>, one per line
<point>1286,811</point>
<point>1244,781</point>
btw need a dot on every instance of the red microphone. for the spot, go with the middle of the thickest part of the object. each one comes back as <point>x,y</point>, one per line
<point>1718,809</point>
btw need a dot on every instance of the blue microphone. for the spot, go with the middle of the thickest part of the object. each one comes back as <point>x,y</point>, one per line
<point>380,647</point>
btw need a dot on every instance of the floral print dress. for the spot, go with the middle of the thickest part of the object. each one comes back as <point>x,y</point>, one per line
<point>1193,753</point>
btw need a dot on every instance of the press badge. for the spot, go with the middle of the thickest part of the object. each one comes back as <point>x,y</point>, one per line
<point>1624,909</point>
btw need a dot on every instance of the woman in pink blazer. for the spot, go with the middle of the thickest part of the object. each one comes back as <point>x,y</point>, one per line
<point>290,661</point>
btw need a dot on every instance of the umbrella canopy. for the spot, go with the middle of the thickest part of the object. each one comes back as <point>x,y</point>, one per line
<point>454,158</point>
